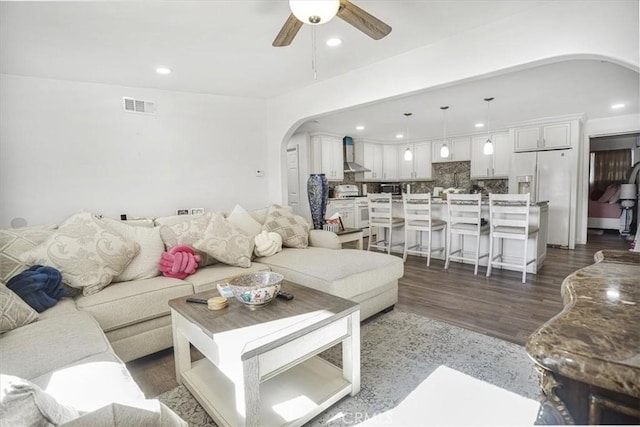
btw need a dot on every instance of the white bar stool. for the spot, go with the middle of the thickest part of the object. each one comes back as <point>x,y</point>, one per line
<point>509,219</point>
<point>464,220</point>
<point>381,217</point>
<point>418,218</point>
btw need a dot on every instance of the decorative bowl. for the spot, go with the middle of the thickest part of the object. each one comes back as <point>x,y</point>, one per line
<point>256,289</point>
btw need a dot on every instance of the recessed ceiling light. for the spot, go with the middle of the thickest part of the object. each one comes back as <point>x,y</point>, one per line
<point>360,127</point>
<point>333,42</point>
<point>163,70</point>
<point>479,125</point>
<point>617,106</point>
<point>399,135</point>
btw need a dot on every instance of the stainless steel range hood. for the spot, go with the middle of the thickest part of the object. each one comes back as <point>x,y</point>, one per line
<point>349,164</point>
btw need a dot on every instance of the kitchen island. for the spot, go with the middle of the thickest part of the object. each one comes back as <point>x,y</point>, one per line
<point>513,250</point>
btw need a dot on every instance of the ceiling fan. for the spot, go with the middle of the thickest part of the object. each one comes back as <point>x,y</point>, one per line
<point>321,12</point>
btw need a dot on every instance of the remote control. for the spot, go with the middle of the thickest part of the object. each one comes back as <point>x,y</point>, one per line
<point>285,295</point>
<point>197,300</point>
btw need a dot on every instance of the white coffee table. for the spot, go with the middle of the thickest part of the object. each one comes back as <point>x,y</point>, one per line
<point>261,366</point>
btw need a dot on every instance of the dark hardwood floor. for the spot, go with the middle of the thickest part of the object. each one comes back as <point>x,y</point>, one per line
<point>500,306</point>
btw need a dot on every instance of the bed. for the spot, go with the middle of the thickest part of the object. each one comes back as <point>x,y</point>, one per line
<point>604,210</point>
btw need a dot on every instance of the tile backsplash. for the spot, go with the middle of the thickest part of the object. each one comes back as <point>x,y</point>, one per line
<point>445,175</point>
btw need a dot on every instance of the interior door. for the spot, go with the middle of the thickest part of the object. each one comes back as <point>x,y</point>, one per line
<point>554,185</point>
<point>293,178</point>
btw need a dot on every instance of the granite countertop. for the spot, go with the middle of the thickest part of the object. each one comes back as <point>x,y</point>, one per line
<point>596,337</point>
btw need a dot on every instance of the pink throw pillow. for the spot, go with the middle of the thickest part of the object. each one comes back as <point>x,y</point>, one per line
<point>178,262</point>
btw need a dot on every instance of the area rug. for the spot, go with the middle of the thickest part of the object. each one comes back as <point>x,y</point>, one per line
<point>399,351</point>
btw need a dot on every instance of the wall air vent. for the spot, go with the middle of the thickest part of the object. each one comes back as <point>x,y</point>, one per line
<point>138,106</point>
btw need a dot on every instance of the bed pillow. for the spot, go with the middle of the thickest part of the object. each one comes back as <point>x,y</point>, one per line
<point>616,196</point>
<point>14,312</point>
<point>145,264</point>
<point>226,242</point>
<point>608,193</point>
<point>88,253</point>
<point>293,229</point>
<point>14,242</point>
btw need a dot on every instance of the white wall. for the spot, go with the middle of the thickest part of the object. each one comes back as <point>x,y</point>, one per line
<point>66,146</point>
<point>556,31</point>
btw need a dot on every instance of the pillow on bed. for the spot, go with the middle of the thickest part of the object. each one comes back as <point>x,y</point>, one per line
<point>608,193</point>
<point>616,196</point>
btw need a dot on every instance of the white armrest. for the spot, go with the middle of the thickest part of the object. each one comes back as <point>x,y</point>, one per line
<point>324,239</point>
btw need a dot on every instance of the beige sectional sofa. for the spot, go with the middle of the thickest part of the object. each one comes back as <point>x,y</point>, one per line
<point>131,319</point>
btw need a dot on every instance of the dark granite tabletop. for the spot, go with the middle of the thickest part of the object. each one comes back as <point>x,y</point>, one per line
<point>596,338</point>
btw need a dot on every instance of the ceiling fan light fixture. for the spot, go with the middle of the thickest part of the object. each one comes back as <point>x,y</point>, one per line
<point>314,12</point>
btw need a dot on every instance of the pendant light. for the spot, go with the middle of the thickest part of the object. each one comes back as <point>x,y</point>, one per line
<point>408,155</point>
<point>444,151</point>
<point>488,144</point>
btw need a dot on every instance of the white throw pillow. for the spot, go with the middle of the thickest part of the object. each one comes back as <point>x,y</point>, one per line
<point>187,232</point>
<point>243,220</point>
<point>14,242</point>
<point>23,403</point>
<point>293,229</point>
<point>226,242</point>
<point>145,264</point>
<point>88,253</point>
<point>14,312</point>
<point>267,244</point>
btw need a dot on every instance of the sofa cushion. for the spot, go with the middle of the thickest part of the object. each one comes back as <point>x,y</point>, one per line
<point>148,413</point>
<point>293,229</point>
<point>91,383</point>
<point>126,303</point>
<point>88,253</point>
<point>23,403</point>
<point>226,242</point>
<point>14,312</point>
<point>65,306</point>
<point>14,242</point>
<point>206,279</point>
<point>344,273</point>
<point>186,232</point>
<point>43,346</point>
<point>145,264</point>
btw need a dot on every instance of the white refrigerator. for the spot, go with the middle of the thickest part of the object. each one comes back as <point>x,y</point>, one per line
<point>546,175</point>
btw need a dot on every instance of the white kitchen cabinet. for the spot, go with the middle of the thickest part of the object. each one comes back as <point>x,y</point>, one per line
<point>369,155</point>
<point>346,209</point>
<point>419,167</point>
<point>390,161</point>
<point>547,136</point>
<point>491,166</point>
<point>459,150</point>
<point>327,156</point>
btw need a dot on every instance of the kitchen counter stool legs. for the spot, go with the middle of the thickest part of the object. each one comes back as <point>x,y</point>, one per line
<point>464,220</point>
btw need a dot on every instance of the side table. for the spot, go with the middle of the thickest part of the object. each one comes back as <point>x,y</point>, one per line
<point>351,235</point>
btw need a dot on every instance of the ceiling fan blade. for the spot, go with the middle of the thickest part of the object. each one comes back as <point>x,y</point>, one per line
<point>287,32</point>
<point>363,21</point>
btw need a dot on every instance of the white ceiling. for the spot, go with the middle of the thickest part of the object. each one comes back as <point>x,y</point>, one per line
<point>224,47</point>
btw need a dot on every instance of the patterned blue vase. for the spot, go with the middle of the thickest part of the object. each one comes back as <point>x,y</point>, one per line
<point>318,191</point>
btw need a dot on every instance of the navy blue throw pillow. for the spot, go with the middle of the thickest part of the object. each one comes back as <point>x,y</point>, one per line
<point>39,286</point>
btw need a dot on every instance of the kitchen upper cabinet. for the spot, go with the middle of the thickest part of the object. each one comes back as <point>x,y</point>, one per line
<point>369,155</point>
<point>327,156</point>
<point>542,137</point>
<point>419,167</point>
<point>491,166</point>
<point>390,161</point>
<point>459,150</point>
